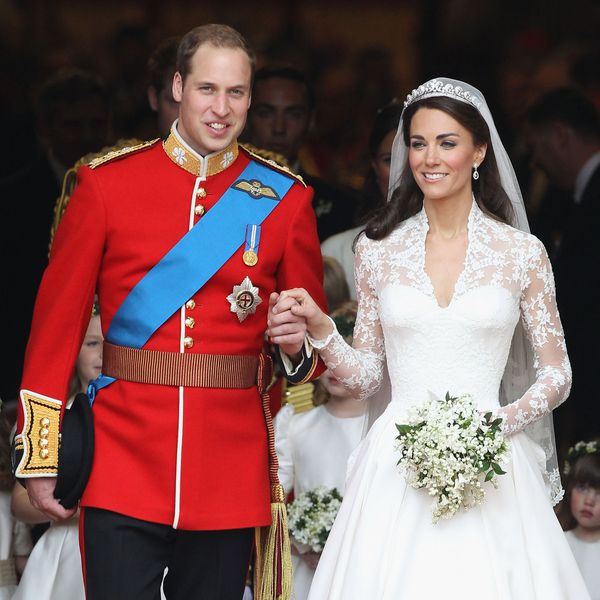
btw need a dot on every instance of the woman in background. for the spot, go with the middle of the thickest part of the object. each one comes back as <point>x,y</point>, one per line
<point>374,192</point>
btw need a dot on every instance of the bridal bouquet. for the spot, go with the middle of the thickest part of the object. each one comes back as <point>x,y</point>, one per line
<point>449,448</point>
<point>311,515</point>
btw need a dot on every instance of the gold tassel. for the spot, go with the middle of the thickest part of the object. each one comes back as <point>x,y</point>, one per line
<point>273,566</point>
<point>273,562</point>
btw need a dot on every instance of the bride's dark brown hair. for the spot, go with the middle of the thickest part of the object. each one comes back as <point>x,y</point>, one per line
<point>407,199</point>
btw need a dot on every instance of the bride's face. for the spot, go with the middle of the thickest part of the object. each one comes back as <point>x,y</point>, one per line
<point>442,154</point>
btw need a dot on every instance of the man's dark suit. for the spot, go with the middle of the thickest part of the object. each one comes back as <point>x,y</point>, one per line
<point>334,206</point>
<point>577,273</point>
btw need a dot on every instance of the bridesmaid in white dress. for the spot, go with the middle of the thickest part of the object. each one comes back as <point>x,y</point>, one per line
<point>313,448</point>
<point>53,570</point>
<point>579,511</point>
<point>448,278</point>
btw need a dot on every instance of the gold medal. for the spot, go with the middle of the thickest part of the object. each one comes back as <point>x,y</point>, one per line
<point>250,258</point>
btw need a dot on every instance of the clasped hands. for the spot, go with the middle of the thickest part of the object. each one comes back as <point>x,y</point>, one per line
<point>292,314</point>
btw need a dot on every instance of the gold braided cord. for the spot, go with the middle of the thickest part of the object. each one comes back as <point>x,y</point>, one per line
<point>273,566</point>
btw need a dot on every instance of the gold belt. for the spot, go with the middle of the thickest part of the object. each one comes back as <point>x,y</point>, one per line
<point>179,369</point>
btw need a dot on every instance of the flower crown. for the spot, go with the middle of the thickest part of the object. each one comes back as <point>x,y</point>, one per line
<point>580,449</point>
<point>435,87</point>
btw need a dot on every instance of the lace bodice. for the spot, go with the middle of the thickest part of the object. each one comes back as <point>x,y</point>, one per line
<point>461,348</point>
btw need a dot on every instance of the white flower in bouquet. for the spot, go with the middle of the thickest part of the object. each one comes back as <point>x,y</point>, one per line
<point>449,448</point>
<point>311,515</point>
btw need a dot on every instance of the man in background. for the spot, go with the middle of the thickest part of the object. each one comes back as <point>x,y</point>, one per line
<point>280,120</point>
<point>72,118</point>
<point>161,68</point>
<point>563,128</point>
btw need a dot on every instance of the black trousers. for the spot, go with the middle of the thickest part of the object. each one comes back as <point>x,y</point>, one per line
<point>125,558</point>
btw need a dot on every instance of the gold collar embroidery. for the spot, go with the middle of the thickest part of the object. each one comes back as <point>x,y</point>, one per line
<point>200,166</point>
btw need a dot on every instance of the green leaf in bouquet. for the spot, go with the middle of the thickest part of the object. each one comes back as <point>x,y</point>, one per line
<point>403,429</point>
<point>485,466</point>
<point>498,469</point>
<point>489,476</point>
<point>497,422</point>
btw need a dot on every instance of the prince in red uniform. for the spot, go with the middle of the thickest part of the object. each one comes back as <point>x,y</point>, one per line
<point>181,469</point>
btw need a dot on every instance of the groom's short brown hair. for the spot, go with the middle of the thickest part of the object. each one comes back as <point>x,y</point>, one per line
<point>217,35</point>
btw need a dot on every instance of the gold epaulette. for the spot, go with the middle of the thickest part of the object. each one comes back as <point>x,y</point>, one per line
<point>299,396</point>
<point>273,159</point>
<point>120,148</point>
<point>119,152</point>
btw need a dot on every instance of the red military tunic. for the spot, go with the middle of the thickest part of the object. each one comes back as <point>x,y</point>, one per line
<point>194,458</point>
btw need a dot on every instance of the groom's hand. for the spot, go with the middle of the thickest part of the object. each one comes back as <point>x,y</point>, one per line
<point>41,496</point>
<point>301,305</point>
<point>284,327</point>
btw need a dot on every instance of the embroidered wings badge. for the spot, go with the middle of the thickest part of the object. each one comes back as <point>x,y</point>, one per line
<point>256,189</point>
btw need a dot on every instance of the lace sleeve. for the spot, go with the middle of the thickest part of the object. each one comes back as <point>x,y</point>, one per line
<point>544,332</point>
<point>360,366</point>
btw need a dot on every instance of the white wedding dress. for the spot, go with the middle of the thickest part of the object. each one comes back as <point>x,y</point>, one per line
<point>383,545</point>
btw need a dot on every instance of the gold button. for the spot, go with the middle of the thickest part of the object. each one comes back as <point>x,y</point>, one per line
<point>43,443</point>
<point>44,453</point>
<point>188,342</point>
<point>190,322</point>
<point>199,210</point>
<point>44,432</point>
<point>44,421</point>
<point>190,304</point>
<point>201,193</point>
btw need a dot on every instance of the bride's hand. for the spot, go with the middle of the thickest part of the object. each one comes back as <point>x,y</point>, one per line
<point>300,304</point>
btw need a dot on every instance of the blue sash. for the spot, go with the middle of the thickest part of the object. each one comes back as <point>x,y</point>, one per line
<point>194,259</point>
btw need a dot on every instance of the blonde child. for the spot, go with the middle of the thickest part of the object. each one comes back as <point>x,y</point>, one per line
<point>579,512</point>
<point>313,446</point>
<point>53,570</point>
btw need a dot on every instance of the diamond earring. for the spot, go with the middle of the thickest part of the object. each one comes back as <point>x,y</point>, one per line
<point>475,173</point>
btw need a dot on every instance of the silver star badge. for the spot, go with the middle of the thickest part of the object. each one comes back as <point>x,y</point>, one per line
<point>244,299</point>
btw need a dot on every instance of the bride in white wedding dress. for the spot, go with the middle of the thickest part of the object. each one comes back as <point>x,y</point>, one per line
<point>448,279</point>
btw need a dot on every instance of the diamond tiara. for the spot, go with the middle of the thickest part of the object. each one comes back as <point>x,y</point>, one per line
<point>435,87</point>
